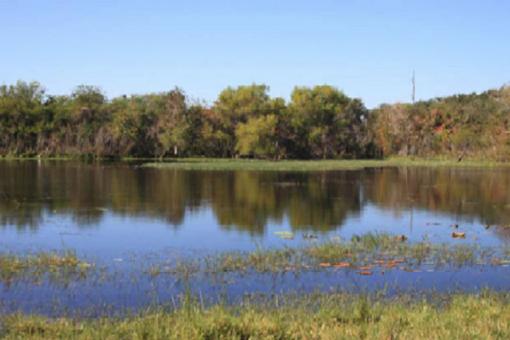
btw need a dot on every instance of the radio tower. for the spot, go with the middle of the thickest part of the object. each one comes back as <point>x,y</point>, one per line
<point>413,80</point>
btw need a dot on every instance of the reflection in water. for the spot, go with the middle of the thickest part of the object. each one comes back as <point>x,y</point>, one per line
<point>244,200</point>
<point>124,212</point>
<point>464,193</point>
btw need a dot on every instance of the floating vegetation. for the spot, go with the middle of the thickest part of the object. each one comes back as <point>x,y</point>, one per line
<point>286,235</point>
<point>317,316</point>
<point>35,267</point>
<point>363,254</point>
<point>369,259</point>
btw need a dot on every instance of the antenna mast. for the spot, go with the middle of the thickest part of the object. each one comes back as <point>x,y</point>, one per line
<point>413,80</point>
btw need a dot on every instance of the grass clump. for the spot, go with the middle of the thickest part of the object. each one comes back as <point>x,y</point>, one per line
<point>261,261</point>
<point>35,267</point>
<point>384,248</point>
<point>315,316</point>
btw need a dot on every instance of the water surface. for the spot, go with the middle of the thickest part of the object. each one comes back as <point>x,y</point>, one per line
<point>115,208</point>
<point>112,212</point>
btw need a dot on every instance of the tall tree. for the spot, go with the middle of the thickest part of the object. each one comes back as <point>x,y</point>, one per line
<point>236,106</point>
<point>325,122</point>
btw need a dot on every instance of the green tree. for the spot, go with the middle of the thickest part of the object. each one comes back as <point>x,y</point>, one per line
<point>258,137</point>
<point>325,122</point>
<point>89,114</point>
<point>21,108</point>
<point>170,126</point>
<point>236,106</point>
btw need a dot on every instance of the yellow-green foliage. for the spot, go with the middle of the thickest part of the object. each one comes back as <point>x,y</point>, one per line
<point>257,137</point>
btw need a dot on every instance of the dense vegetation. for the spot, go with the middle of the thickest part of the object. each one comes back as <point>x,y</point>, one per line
<point>476,125</point>
<point>318,122</point>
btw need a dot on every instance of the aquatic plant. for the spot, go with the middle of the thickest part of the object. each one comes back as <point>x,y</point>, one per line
<point>34,267</point>
<point>362,253</point>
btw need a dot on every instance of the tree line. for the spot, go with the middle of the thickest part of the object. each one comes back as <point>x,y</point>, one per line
<point>318,122</point>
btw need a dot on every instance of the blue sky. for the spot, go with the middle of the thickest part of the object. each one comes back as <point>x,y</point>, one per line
<point>366,48</point>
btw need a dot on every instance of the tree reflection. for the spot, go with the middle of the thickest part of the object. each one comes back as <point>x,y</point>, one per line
<point>464,193</point>
<point>243,200</point>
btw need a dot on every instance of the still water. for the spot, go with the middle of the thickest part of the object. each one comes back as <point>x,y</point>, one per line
<point>111,209</point>
<point>108,212</point>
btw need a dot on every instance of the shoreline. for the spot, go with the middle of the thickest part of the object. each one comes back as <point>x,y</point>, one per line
<point>314,165</point>
<point>198,163</point>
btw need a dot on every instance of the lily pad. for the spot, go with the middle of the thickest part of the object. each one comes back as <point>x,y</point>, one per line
<point>286,235</point>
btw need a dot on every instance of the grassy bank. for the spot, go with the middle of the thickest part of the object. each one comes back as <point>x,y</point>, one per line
<point>199,163</point>
<point>311,165</point>
<point>318,316</point>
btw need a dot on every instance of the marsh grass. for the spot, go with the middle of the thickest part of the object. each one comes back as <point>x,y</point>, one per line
<point>361,253</point>
<point>261,261</point>
<point>384,248</point>
<point>312,316</point>
<point>319,315</point>
<point>35,267</point>
<point>310,165</point>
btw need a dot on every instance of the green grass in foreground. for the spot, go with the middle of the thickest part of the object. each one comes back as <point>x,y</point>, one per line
<point>316,316</point>
<point>309,165</point>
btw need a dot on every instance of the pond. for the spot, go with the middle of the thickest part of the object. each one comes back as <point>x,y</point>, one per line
<point>124,218</point>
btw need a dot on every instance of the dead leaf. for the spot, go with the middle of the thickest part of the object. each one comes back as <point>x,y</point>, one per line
<point>342,265</point>
<point>456,234</point>
<point>365,272</point>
